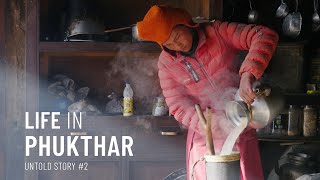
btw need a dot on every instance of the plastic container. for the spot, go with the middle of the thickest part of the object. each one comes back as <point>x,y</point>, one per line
<point>160,108</point>
<point>309,121</point>
<point>127,100</point>
<point>294,120</point>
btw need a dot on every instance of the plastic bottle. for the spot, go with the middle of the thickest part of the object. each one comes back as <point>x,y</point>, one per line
<point>127,100</point>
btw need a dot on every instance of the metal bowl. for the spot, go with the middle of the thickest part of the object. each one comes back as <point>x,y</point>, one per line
<point>180,174</point>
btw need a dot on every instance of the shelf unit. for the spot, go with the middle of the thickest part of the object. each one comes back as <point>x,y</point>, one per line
<point>302,99</point>
<point>97,47</point>
<point>289,139</point>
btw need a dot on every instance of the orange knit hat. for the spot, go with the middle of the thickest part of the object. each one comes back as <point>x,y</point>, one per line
<point>160,20</point>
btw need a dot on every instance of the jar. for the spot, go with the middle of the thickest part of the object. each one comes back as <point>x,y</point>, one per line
<point>160,108</point>
<point>278,126</point>
<point>309,121</point>
<point>294,120</point>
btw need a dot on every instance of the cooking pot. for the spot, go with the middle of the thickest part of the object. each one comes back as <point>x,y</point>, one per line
<point>292,23</point>
<point>282,10</point>
<point>83,21</point>
<point>294,166</point>
<point>266,106</point>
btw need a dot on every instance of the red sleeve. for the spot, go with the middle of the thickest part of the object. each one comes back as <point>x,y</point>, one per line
<point>261,42</point>
<point>177,99</point>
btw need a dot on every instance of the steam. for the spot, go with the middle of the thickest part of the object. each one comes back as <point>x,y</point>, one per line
<point>140,70</point>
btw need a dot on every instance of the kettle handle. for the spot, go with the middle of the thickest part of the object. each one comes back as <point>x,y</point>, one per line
<point>261,90</point>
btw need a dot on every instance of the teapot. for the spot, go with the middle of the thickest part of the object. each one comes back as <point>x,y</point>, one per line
<point>266,106</point>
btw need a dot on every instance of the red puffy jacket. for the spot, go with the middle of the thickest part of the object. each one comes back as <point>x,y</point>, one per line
<point>215,66</point>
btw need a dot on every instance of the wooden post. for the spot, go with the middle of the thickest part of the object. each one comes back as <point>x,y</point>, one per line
<point>216,9</point>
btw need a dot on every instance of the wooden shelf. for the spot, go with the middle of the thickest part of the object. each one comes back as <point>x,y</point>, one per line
<point>302,99</point>
<point>99,48</point>
<point>297,139</point>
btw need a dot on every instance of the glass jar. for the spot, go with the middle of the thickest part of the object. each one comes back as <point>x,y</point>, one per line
<point>160,108</point>
<point>278,127</point>
<point>294,120</point>
<point>309,121</point>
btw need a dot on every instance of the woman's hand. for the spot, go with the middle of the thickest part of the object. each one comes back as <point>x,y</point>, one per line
<point>245,89</point>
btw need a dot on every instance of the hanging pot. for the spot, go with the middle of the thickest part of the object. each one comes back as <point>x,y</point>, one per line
<point>282,10</point>
<point>253,14</point>
<point>83,21</point>
<point>315,15</point>
<point>292,23</point>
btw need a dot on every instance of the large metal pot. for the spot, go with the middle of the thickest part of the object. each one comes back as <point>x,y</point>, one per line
<point>83,21</point>
<point>261,112</point>
<point>294,166</point>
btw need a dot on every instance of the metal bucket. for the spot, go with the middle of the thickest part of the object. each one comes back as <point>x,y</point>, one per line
<point>226,167</point>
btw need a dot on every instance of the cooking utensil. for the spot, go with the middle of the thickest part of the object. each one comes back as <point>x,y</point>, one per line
<point>209,131</point>
<point>261,112</point>
<point>206,123</point>
<point>118,29</point>
<point>83,21</point>
<point>134,32</point>
<point>282,10</point>
<point>292,23</point>
<point>315,15</point>
<point>253,14</point>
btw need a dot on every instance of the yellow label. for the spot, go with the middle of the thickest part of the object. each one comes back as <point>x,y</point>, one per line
<point>127,105</point>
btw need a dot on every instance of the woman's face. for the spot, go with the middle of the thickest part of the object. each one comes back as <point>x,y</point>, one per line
<point>180,39</point>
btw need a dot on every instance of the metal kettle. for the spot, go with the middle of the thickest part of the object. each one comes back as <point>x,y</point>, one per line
<point>267,105</point>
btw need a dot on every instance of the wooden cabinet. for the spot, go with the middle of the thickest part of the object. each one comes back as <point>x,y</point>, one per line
<point>154,156</point>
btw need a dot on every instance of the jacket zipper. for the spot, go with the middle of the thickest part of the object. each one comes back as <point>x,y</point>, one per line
<point>191,70</point>
<point>211,82</point>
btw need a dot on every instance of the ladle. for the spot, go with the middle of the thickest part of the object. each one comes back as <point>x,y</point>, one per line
<point>253,14</point>
<point>315,15</point>
<point>282,10</point>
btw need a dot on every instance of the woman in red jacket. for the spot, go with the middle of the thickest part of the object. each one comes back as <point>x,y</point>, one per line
<point>199,65</point>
